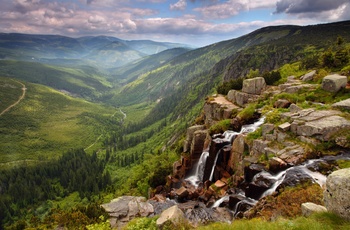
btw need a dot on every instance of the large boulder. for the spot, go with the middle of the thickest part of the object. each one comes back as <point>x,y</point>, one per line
<point>309,208</point>
<point>333,83</point>
<point>337,193</point>
<point>345,104</point>
<point>174,215</point>
<point>254,85</point>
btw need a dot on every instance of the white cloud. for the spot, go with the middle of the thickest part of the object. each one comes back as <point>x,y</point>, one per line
<point>180,5</point>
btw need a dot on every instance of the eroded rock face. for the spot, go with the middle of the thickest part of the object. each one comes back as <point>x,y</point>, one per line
<point>337,193</point>
<point>333,83</point>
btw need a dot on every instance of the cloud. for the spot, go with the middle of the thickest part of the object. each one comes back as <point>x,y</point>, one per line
<point>322,9</point>
<point>230,8</point>
<point>180,5</point>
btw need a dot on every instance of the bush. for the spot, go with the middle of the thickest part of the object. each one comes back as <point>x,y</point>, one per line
<point>220,127</point>
<point>272,77</point>
<point>247,113</point>
<point>225,87</point>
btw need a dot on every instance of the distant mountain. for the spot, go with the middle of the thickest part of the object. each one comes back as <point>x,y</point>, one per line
<point>102,51</point>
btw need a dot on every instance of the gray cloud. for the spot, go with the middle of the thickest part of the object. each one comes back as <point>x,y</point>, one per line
<point>308,6</point>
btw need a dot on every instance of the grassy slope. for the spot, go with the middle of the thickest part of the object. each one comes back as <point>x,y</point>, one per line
<point>46,123</point>
<point>82,81</point>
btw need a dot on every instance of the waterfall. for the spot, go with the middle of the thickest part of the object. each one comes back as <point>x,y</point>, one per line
<point>197,177</point>
<point>213,168</point>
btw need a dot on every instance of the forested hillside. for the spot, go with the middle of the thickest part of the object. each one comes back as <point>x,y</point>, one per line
<point>84,134</point>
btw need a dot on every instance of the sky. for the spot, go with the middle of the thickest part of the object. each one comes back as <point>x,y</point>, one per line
<point>194,22</point>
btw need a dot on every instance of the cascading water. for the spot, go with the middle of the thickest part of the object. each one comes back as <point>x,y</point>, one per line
<point>200,165</point>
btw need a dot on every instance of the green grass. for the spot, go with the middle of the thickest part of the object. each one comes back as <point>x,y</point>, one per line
<point>320,221</point>
<point>46,123</point>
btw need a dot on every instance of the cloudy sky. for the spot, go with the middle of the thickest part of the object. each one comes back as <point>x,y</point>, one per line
<point>195,22</point>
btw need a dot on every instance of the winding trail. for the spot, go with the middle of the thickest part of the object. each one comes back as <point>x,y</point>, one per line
<point>99,137</point>
<point>24,89</point>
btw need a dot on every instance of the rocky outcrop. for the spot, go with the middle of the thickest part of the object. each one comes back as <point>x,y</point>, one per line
<point>217,108</point>
<point>333,83</point>
<point>189,136</point>
<point>126,208</point>
<point>337,193</point>
<point>251,91</point>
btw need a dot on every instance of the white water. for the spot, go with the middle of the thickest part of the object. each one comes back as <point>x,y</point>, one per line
<point>316,176</point>
<point>198,176</point>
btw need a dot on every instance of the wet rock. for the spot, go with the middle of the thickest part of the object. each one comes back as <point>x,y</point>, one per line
<point>254,85</point>
<point>333,83</point>
<point>309,76</point>
<point>251,170</point>
<point>337,193</point>
<point>173,215</point>
<point>309,208</point>
<point>293,177</point>
<point>345,104</point>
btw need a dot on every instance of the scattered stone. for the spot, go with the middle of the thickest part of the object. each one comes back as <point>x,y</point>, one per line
<point>220,184</point>
<point>182,193</point>
<point>267,129</point>
<point>337,193</point>
<point>309,208</point>
<point>309,76</point>
<point>293,108</point>
<point>281,103</point>
<point>333,83</point>
<point>284,127</point>
<point>345,104</point>
<point>254,85</point>
<point>172,214</point>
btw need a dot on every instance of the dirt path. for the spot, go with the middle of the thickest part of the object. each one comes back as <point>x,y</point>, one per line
<point>19,99</point>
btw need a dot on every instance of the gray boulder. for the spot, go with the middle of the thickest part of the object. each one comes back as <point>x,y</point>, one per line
<point>254,85</point>
<point>309,208</point>
<point>345,104</point>
<point>333,83</point>
<point>172,214</point>
<point>309,76</point>
<point>337,193</point>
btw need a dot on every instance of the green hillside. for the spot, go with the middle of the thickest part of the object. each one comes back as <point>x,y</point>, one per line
<point>47,123</point>
<point>81,81</point>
